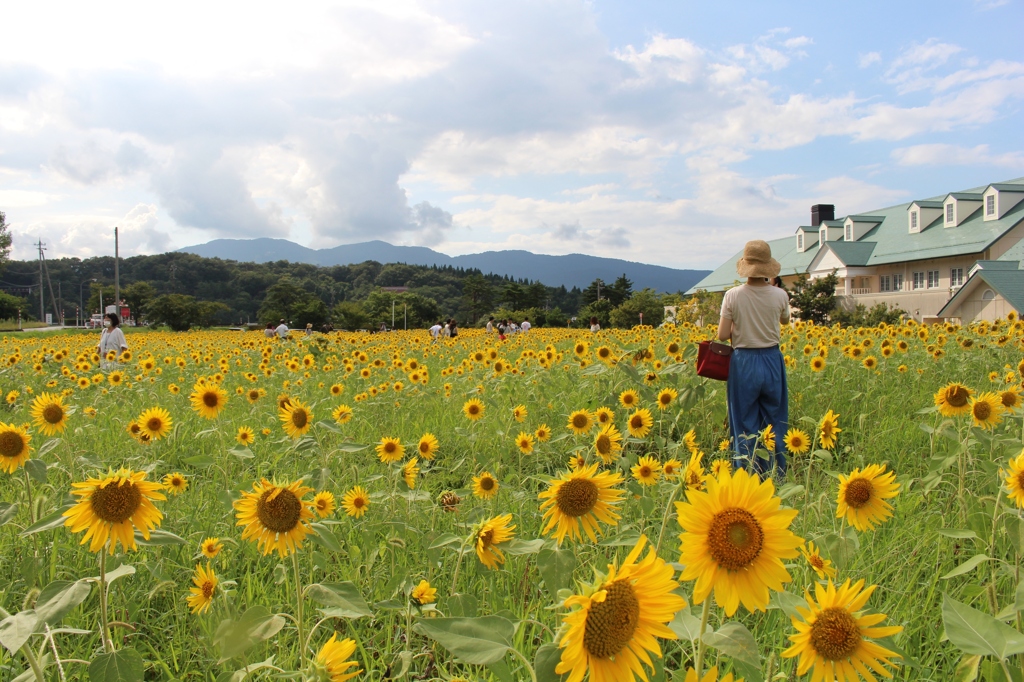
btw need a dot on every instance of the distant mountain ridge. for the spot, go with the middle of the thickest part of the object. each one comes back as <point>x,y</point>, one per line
<point>571,270</point>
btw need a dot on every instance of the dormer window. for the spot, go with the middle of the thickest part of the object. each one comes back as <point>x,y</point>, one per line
<point>950,207</point>
<point>822,236</point>
<point>990,204</point>
<point>800,241</point>
<point>1000,198</point>
<point>848,234</point>
<point>913,220</point>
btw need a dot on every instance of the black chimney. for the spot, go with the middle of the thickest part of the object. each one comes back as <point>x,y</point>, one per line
<point>822,212</point>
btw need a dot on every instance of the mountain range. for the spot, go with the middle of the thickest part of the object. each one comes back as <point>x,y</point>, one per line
<point>574,269</point>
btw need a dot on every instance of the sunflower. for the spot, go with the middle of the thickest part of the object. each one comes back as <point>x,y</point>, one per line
<point>12,397</point>
<point>485,486</point>
<point>211,547</point>
<point>629,398</point>
<point>296,418</point>
<point>1014,479</point>
<point>275,516</point>
<point>324,504</point>
<point>488,535</point>
<point>690,440</point>
<point>253,395</point>
<point>113,508</point>
<point>735,537</point>
<point>694,475</point>
<point>1010,398</point>
<point>768,438</point>
<point>577,461</point>
<point>581,498</point>
<point>205,585</point>
<point>817,364</point>
<point>342,414</point>
<point>49,414</point>
<point>14,449</point>
<point>612,628</point>
<point>710,676</point>
<point>827,429</point>
<point>671,469</point>
<point>410,471</point>
<point>647,470</point>
<point>666,397</point>
<point>524,441</point>
<point>355,502</point>
<point>156,422</point>
<point>797,441</point>
<point>208,401</point>
<point>390,450</point>
<point>834,635</point>
<point>337,389</point>
<point>608,443</point>
<point>719,466</point>
<point>332,659</point>
<point>640,423</point>
<point>986,410</point>
<point>175,483</point>
<point>953,399</point>
<point>863,495</point>
<point>424,593</point>
<point>580,422</point>
<point>473,409</point>
<point>245,436</point>
<point>543,433</point>
<point>823,567</point>
<point>519,413</point>
<point>428,446</point>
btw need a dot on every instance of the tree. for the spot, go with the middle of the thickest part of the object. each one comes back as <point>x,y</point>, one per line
<point>862,316</point>
<point>597,289</point>
<point>137,295</point>
<point>600,309</point>
<point>210,313</point>
<point>476,295</point>
<point>5,241</point>
<point>512,295</point>
<point>422,311</point>
<point>10,305</point>
<point>177,311</point>
<point>350,315</point>
<point>535,295</point>
<point>621,290</point>
<point>814,299</point>
<point>645,301</point>
<point>286,300</point>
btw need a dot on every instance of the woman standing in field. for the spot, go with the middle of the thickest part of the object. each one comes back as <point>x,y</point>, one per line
<point>756,391</point>
<point>112,338</point>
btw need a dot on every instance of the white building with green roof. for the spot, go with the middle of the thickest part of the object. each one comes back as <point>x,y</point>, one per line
<point>930,257</point>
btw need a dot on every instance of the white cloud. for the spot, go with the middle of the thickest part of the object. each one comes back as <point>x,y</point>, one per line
<point>869,58</point>
<point>911,70</point>
<point>938,154</point>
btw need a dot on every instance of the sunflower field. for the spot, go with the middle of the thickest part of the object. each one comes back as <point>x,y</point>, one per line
<point>559,505</point>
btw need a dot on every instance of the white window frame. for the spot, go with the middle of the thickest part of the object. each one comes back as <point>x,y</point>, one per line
<point>800,240</point>
<point>913,220</point>
<point>848,234</point>
<point>897,281</point>
<point>988,295</point>
<point>933,279</point>
<point>990,204</point>
<point>918,281</point>
<point>956,277</point>
<point>884,283</point>
<point>950,213</point>
<point>822,235</point>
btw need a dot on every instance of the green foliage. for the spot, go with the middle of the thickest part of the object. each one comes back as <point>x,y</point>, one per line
<point>602,310</point>
<point>380,306</point>
<point>177,311</point>
<point>862,316</point>
<point>10,305</point>
<point>647,302</point>
<point>5,241</point>
<point>814,300</point>
<point>350,315</point>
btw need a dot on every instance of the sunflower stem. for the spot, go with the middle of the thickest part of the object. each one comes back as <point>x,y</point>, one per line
<point>298,608</point>
<point>529,668</point>
<point>37,670</point>
<point>701,647</point>
<point>668,511</point>
<point>1006,669</point>
<point>28,491</point>
<point>108,642</point>
<point>458,565</point>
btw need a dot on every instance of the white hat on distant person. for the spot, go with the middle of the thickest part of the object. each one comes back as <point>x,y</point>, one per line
<point>757,261</point>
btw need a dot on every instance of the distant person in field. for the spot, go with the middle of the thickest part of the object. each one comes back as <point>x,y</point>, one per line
<point>490,325</point>
<point>269,331</point>
<point>112,338</point>
<point>282,330</point>
<point>525,326</point>
<point>594,326</point>
<point>453,328</point>
<point>756,391</point>
<point>309,329</point>
<point>435,331</point>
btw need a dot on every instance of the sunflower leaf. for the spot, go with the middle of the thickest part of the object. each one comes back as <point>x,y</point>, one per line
<point>124,665</point>
<point>7,511</point>
<point>477,641</point>
<point>974,632</point>
<point>54,520</point>
<point>556,567</point>
<point>734,640</point>
<point>36,468</point>
<point>968,566</point>
<point>341,599</point>
<point>15,630</point>
<point>967,669</point>
<point>59,598</point>
<point>544,664</point>
<point>325,538</point>
<point>685,625</point>
<point>158,537</point>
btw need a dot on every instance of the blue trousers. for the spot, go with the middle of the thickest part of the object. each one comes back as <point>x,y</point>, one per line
<point>757,396</point>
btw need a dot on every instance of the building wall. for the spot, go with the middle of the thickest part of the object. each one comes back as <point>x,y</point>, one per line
<point>918,304</point>
<point>975,308</point>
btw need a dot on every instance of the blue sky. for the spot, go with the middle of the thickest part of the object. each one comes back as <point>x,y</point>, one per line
<point>663,132</point>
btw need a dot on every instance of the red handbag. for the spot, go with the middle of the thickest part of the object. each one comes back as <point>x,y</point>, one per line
<point>713,360</point>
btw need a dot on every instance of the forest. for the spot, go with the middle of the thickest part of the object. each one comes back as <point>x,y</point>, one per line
<point>183,290</point>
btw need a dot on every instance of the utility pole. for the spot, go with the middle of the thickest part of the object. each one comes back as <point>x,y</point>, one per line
<point>39,245</point>
<point>117,277</point>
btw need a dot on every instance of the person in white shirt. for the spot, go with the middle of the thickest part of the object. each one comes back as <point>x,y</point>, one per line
<point>525,326</point>
<point>112,338</point>
<point>490,325</point>
<point>435,330</point>
<point>282,330</point>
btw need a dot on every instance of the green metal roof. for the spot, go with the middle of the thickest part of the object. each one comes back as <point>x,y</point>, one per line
<point>852,253</point>
<point>928,204</point>
<point>1005,277</point>
<point>893,243</point>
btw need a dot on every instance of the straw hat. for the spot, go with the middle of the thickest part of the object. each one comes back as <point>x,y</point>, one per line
<point>757,261</point>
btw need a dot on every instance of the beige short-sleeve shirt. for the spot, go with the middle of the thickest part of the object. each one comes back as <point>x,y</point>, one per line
<point>756,313</point>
